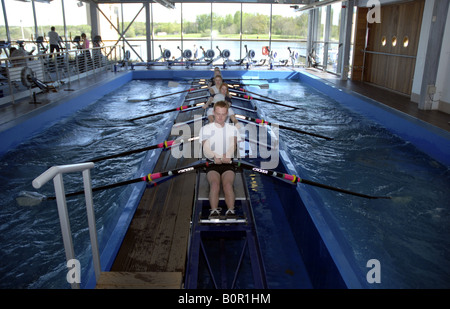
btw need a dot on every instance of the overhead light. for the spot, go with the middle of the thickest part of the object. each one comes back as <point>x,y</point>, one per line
<point>166,3</point>
<point>316,4</point>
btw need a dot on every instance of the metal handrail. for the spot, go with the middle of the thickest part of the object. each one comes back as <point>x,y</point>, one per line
<point>56,173</point>
<point>53,69</point>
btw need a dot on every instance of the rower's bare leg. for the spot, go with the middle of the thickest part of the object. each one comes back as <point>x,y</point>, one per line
<point>228,188</point>
<point>214,188</point>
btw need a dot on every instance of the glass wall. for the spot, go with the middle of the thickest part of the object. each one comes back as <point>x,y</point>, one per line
<point>255,28</point>
<point>129,19</point>
<point>23,27</point>
<point>21,24</point>
<point>327,43</point>
<point>196,27</point>
<point>319,45</point>
<point>226,25</point>
<point>238,27</point>
<point>166,30</point>
<point>333,40</point>
<point>289,33</point>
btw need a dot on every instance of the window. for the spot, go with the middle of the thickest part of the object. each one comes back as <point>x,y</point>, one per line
<point>166,30</point>
<point>196,27</point>
<point>289,29</point>
<point>255,28</point>
<point>226,27</point>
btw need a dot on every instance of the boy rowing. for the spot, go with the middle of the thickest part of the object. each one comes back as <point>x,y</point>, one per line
<point>219,141</point>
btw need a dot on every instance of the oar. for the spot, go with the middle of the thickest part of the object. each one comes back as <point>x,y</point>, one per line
<point>180,108</point>
<point>166,95</point>
<point>261,121</point>
<point>165,145</point>
<point>259,99</point>
<point>176,84</point>
<point>262,86</point>
<point>269,80</point>
<point>33,199</point>
<point>296,179</point>
<point>239,84</point>
<point>245,90</point>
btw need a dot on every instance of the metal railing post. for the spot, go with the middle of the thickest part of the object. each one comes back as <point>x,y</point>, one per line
<point>64,221</point>
<point>91,221</point>
<point>56,173</point>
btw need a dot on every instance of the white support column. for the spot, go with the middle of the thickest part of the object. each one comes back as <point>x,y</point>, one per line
<point>148,31</point>
<point>348,20</point>
<point>435,38</point>
<point>93,19</point>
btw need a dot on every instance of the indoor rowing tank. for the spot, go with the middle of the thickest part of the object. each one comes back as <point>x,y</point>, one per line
<point>407,234</point>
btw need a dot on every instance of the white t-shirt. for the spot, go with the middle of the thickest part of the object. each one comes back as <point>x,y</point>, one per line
<point>215,89</point>
<point>218,97</point>
<point>53,38</point>
<point>220,138</point>
<point>210,112</point>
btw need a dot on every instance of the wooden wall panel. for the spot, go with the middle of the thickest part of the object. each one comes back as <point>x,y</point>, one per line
<point>401,22</point>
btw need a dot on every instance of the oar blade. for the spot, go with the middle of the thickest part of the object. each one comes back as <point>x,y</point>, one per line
<point>174,84</point>
<point>137,100</point>
<point>29,199</point>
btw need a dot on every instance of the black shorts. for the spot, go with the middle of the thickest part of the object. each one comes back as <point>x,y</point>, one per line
<point>221,168</point>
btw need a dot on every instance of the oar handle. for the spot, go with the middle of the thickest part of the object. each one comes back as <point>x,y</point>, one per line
<point>154,176</point>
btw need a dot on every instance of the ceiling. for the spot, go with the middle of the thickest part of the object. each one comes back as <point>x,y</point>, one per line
<point>204,1</point>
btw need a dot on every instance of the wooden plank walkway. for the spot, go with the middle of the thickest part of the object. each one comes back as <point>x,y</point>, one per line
<point>156,243</point>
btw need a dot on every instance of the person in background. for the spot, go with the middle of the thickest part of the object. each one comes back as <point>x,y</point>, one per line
<point>214,89</point>
<point>86,53</point>
<point>17,52</point>
<point>85,41</point>
<point>54,39</point>
<point>223,95</point>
